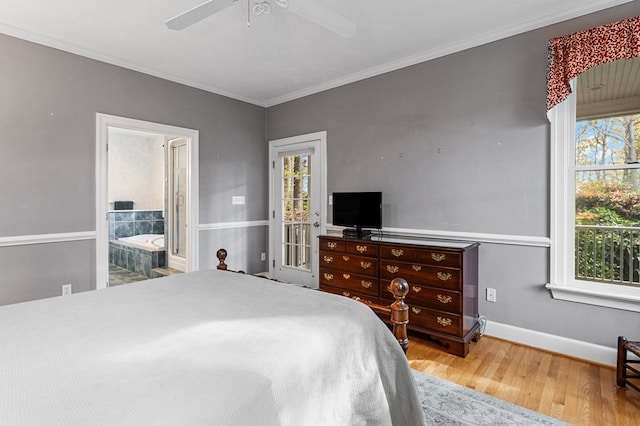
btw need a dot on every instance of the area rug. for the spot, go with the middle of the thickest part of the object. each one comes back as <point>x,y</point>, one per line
<point>446,403</point>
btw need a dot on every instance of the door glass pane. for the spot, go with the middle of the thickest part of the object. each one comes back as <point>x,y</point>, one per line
<point>296,228</point>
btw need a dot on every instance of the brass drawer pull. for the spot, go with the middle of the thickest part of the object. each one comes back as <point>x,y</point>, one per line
<point>328,277</point>
<point>328,259</point>
<point>445,322</point>
<point>416,268</point>
<point>361,249</point>
<point>444,298</point>
<point>444,276</point>
<point>365,265</point>
<point>392,269</point>
<point>416,310</point>
<point>438,257</point>
<point>331,244</point>
<point>346,276</point>
<point>346,258</point>
<point>397,252</point>
<point>366,284</point>
<point>416,289</point>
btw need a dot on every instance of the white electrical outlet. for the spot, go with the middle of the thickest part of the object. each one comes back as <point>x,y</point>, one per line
<point>263,256</point>
<point>491,294</point>
<point>237,199</point>
<point>66,289</point>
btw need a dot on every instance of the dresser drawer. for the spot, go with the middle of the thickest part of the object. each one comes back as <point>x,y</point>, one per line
<point>434,298</point>
<point>439,258</point>
<point>351,294</point>
<point>362,249</point>
<point>349,281</point>
<point>337,245</point>
<point>398,253</point>
<point>416,273</point>
<point>443,322</point>
<point>349,263</point>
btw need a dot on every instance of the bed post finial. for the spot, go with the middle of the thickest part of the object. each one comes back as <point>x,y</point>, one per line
<point>221,255</point>
<point>400,311</point>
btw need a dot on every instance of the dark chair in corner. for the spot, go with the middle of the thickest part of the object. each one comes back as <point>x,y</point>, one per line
<point>625,368</point>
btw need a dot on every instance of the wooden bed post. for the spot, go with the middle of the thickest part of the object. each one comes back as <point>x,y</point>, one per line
<point>221,255</point>
<point>400,312</point>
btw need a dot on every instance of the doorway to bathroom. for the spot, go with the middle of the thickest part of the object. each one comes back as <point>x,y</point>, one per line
<point>146,200</point>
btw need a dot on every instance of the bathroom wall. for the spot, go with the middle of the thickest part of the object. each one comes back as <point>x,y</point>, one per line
<point>136,169</point>
<point>128,223</point>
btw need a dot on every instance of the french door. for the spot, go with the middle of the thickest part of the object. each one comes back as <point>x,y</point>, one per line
<point>297,201</point>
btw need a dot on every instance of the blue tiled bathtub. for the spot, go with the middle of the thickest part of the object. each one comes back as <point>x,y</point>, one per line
<point>130,223</point>
<point>138,258</point>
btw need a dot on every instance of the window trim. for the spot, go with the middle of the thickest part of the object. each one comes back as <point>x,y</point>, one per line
<point>562,283</point>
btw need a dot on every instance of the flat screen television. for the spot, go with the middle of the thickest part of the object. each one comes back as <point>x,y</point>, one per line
<point>357,211</point>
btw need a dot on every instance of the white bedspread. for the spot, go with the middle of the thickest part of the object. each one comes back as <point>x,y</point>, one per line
<point>203,348</point>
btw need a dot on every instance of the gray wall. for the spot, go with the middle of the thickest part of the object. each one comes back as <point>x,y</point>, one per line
<point>49,101</point>
<point>461,143</point>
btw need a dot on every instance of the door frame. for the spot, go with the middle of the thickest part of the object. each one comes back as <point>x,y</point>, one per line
<point>276,146</point>
<point>103,123</point>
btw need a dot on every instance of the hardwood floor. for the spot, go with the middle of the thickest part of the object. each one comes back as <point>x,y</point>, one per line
<point>568,389</point>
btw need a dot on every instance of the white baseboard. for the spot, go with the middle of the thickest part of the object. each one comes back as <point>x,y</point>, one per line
<point>574,348</point>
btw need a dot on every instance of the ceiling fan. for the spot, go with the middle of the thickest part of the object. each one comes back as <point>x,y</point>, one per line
<point>306,9</point>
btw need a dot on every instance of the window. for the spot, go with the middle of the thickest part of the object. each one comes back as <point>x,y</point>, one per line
<point>595,218</point>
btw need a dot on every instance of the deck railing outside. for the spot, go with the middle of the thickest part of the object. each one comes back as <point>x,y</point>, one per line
<point>297,245</point>
<point>607,254</point>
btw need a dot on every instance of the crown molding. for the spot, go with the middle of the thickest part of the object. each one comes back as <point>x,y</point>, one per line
<point>90,54</point>
<point>484,38</point>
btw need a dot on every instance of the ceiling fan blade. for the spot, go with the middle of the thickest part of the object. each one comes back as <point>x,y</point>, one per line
<point>197,14</point>
<point>326,18</point>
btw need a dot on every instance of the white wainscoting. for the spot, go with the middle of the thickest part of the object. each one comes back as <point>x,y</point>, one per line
<point>23,240</point>
<point>232,225</point>
<point>562,345</point>
<point>517,240</point>
<point>63,237</point>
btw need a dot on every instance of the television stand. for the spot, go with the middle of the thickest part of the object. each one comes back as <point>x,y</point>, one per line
<point>442,277</point>
<point>361,234</point>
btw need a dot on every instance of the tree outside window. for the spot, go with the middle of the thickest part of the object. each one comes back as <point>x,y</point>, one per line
<point>607,217</point>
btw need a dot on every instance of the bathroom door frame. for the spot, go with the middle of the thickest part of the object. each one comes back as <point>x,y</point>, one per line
<point>103,123</point>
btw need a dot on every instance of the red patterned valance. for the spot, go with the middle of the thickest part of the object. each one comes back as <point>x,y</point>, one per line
<point>575,53</point>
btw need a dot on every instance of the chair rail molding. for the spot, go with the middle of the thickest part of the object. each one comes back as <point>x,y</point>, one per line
<point>23,240</point>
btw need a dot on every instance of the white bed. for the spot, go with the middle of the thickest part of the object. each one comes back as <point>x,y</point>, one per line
<point>208,347</point>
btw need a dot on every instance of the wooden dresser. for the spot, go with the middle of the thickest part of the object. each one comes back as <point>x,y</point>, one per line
<point>442,277</point>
